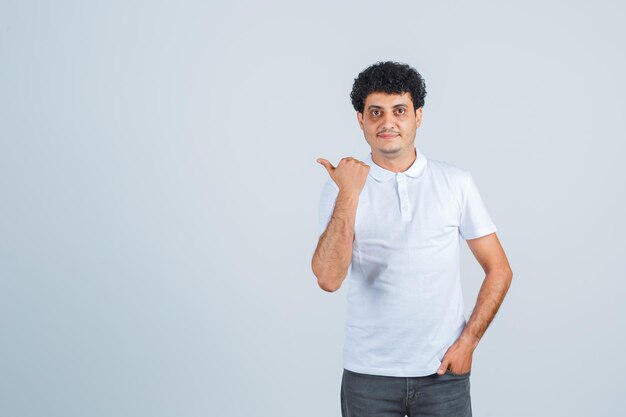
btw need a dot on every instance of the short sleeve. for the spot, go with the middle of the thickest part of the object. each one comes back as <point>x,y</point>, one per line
<point>327,204</point>
<point>475,220</point>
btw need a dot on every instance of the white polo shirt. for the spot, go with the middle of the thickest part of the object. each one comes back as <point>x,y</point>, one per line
<point>405,304</point>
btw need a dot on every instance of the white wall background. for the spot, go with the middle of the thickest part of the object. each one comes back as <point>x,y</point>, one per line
<point>159,196</point>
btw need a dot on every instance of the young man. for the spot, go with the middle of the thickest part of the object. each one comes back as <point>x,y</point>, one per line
<point>393,221</point>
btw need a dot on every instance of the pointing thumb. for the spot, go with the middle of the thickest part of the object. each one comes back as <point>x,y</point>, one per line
<point>329,167</point>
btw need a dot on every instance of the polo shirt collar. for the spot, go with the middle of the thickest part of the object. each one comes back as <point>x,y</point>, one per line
<point>381,174</point>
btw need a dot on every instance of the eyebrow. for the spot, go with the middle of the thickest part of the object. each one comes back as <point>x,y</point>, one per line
<point>374,106</point>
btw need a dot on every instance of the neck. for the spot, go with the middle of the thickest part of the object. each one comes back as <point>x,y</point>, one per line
<point>398,163</point>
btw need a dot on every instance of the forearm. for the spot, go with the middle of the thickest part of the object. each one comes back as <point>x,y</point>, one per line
<point>333,254</point>
<point>490,297</point>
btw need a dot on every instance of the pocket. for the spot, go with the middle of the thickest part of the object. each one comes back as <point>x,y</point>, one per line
<point>468,373</point>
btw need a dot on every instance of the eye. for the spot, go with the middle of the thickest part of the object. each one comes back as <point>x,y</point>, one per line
<point>375,113</point>
<point>401,110</point>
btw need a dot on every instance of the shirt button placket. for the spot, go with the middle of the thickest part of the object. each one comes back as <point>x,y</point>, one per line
<point>405,206</point>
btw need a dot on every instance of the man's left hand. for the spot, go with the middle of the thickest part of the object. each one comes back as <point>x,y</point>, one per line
<point>458,358</point>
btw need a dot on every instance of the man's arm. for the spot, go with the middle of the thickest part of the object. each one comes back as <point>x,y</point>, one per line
<point>491,257</point>
<point>333,254</point>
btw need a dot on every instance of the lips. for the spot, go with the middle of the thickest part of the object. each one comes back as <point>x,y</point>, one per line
<point>387,135</point>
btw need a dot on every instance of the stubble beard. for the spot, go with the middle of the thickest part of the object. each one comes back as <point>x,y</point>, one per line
<point>390,151</point>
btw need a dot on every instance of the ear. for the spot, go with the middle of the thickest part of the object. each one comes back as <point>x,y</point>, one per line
<point>418,117</point>
<point>359,117</point>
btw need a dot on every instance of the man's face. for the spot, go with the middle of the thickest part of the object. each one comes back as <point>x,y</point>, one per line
<point>389,123</point>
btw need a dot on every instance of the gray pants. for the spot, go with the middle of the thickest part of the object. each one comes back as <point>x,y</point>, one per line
<point>446,395</point>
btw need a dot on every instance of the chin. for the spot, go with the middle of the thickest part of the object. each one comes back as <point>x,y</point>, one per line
<point>389,150</point>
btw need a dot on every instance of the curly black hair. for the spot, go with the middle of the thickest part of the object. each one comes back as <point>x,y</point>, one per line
<point>388,77</point>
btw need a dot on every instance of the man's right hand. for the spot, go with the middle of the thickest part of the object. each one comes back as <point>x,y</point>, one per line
<point>332,257</point>
<point>349,175</point>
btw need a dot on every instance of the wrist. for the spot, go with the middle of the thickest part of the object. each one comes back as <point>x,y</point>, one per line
<point>349,193</point>
<point>468,340</point>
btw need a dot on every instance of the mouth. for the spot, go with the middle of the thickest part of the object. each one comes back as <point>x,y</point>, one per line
<point>387,135</point>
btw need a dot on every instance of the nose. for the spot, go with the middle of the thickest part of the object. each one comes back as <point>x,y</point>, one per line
<point>389,120</point>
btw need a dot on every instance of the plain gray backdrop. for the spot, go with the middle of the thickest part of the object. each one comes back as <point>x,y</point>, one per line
<point>159,197</point>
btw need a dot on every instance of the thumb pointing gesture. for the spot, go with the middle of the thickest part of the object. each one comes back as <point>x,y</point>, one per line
<point>329,167</point>
<point>349,175</point>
